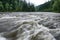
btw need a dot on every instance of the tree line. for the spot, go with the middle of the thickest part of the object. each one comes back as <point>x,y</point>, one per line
<point>23,6</point>
<point>50,6</point>
<point>15,6</point>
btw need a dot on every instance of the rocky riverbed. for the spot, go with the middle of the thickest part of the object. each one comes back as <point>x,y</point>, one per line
<point>29,26</point>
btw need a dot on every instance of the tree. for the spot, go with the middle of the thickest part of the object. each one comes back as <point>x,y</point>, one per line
<point>31,7</point>
<point>1,6</point>
<point>16,5</point>
<point>56,6</point>
<point>7,6</point>
<point>44,7</point>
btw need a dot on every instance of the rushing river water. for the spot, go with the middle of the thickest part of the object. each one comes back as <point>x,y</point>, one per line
<point>30,26</point>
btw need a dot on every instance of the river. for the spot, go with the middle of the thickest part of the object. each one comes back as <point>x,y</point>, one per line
<point>29,26</point>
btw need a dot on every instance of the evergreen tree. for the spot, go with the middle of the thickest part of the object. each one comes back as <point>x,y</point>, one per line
<point>56,6</point>
<point>1,6</point>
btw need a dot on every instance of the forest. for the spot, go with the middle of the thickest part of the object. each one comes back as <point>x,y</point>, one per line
<point>50,6</point>
<point>23,6</point>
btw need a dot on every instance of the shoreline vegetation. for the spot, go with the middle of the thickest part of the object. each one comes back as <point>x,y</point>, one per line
<point>23,6</point>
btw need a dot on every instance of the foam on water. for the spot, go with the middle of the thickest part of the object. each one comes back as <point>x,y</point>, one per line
<point>2,38</point>
<point>25,28</point>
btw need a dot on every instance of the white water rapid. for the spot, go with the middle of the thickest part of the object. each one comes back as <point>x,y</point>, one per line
<point>25,27</point>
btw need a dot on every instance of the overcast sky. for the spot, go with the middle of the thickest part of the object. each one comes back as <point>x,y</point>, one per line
<point>37,2</point>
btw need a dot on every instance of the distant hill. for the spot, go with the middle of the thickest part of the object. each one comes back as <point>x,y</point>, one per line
<point>44,7</point>
<point>53,5</point>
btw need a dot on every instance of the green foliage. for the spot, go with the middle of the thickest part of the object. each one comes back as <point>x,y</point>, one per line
<point>56,6</point>
<point>53,5</point>
<point>15,5</point>
<point>23,6</point>
<point>31,7</point>
<point>7,6</point>
<point>45,7</point>
<point>1,6</point>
